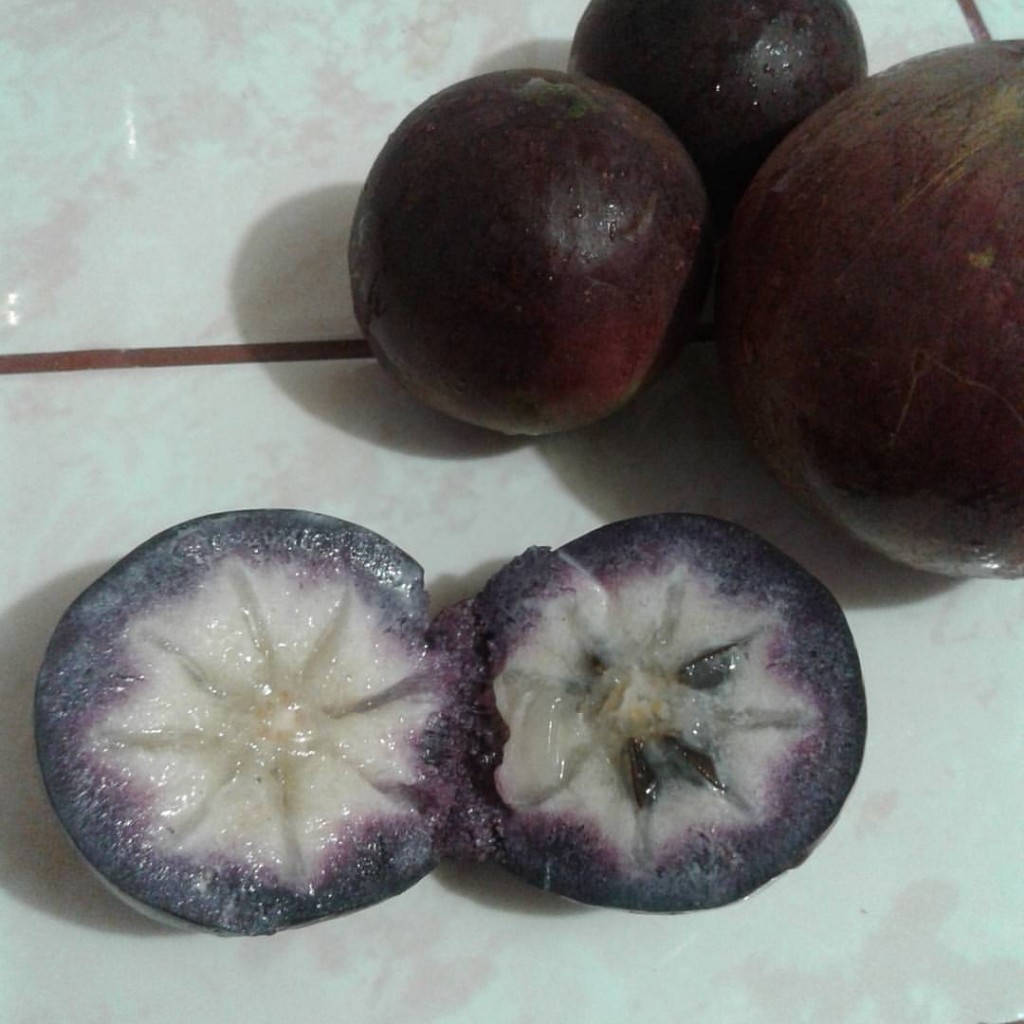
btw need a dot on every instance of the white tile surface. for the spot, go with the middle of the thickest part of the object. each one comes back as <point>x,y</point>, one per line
<point>1004,19</point>
<point>184,175</point>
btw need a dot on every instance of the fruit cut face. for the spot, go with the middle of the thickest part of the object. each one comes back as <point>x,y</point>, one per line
<point>684,713</point>
<point>228,721</point>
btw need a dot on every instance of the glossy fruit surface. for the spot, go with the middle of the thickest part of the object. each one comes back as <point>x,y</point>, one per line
<point>730,77</point>
<point>528,250</point>
<point>229,722</point>
<point>675,711</point>
<point>871,311</point>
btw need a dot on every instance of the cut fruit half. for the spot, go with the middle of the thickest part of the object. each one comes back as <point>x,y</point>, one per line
<point>248,723</point>
<point>230,721</point>
<point>679,709</point>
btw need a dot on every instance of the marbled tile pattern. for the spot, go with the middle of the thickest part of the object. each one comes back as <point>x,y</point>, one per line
<point>1004,19</point>
<point>185,174</point>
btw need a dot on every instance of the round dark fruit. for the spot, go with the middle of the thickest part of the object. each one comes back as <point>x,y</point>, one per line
<point>871,311</point>
<point>731,77</point>
<point>230,722</point>
<point>675,708</point>
<point>528,250</point>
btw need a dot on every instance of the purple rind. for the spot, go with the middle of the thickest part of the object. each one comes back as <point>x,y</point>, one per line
<point>569,858</point>
<point>708,868</point>
<point>816,653</point>
<point>377,862</point>
<point>457,810</point>
<point>462,743</point>
<point>86,669</point>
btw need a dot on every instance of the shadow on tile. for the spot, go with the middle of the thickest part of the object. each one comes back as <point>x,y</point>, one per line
<point>360,399</point>
<point>676,448</point>
<point>492,886</point>
<point>38,864</point>
<point>448,590</point>
<point>534,53</point>
<point>290,283</point>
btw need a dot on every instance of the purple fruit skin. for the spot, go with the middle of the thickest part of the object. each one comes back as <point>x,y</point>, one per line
<point>462,744</point>
<point>86,670</point>
<point>731,77</point>
<point>461,815</point>
<point>870,311</point>
<point>529,250</point>
<point>817,656</point>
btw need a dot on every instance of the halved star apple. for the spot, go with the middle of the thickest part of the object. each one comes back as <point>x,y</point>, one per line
<point>677,708</point>
<point>229,721</point>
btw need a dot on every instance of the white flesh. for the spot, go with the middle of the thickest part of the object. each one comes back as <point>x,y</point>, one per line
<point>601,667</point>
<point>264,726</point>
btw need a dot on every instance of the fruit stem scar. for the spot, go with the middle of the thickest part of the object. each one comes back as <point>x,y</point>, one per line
<point>577,102</point>
<point>983,259</point>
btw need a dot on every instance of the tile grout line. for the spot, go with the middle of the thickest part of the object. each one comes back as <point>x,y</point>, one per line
<point>261,352</point>
<point>205,355</point>
<point>182,355</point>
<point>975,22</point>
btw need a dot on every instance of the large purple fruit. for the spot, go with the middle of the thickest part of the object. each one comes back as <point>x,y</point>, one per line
<point>230,722</point>
<point>730,77</point>
<point>871,311</point>
<point>528,250</point>
<point>672,708</point>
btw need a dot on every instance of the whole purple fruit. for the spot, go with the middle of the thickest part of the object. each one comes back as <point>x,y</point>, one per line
<point>871,311</point>
<point>529,250</point>
<point>731,77</point>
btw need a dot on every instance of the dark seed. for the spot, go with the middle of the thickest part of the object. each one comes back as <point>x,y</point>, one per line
<point>711,668</point>
<point>689,759</point>
<point>641,775</point>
